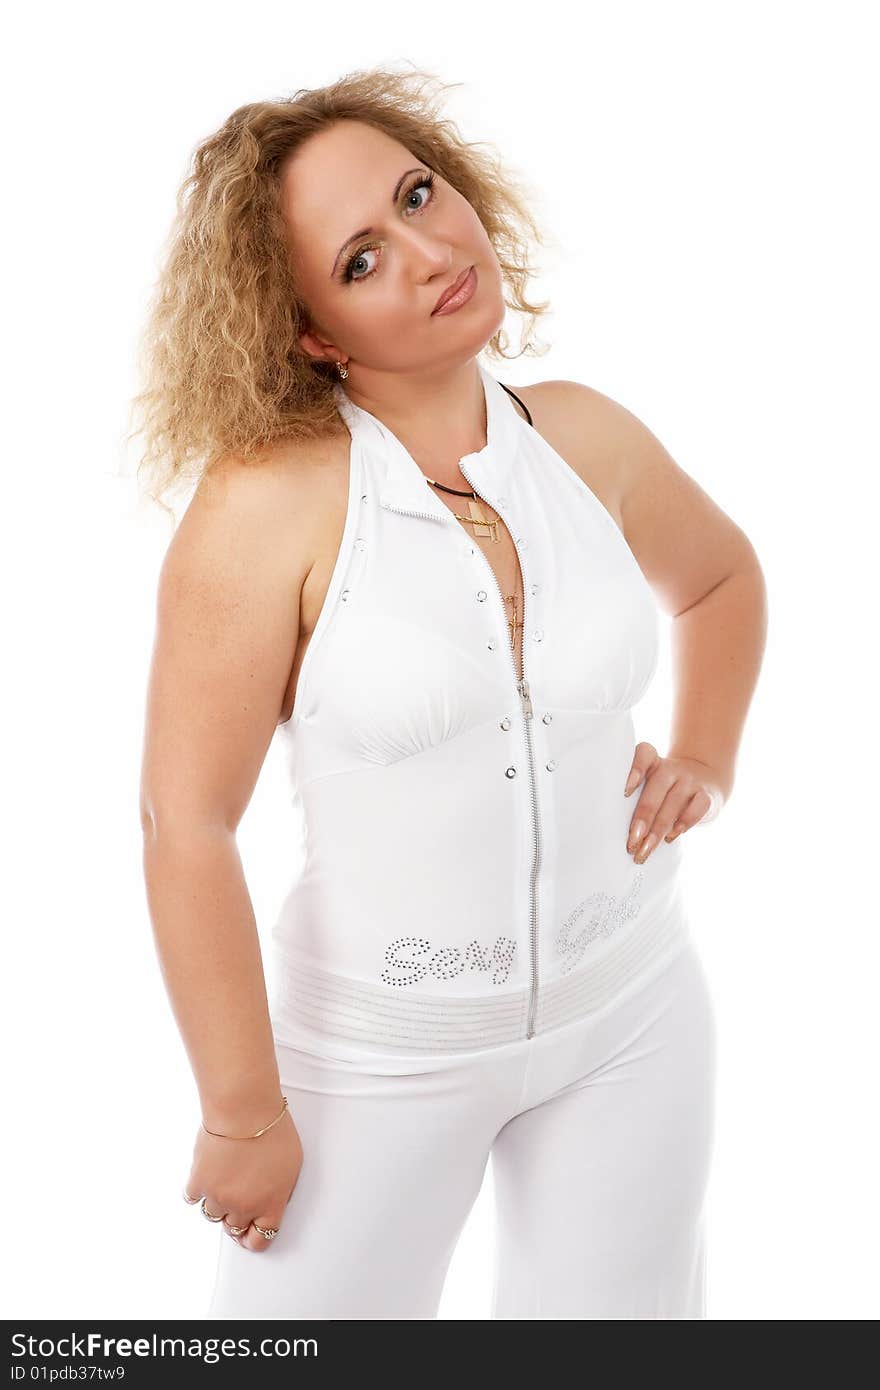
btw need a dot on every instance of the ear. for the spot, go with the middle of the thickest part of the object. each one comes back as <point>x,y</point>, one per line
<point>314,346</point>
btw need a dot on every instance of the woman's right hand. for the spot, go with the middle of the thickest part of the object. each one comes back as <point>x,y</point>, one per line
<point>247,1180</point>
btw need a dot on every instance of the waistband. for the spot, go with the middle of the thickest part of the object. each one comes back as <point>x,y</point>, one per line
<point>324,1004</point>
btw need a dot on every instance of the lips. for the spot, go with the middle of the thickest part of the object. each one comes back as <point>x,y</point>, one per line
<point>450,290</point>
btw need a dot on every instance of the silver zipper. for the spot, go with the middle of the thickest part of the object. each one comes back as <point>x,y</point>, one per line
<point>410,511</point>
<point>522,687</point>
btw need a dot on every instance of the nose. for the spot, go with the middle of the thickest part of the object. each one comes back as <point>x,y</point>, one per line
<point>429,256</point>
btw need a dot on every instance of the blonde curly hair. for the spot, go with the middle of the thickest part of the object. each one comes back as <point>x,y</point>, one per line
<point>219,357</point>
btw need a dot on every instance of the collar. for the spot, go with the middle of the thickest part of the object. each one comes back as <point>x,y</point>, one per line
<point>405,488</point>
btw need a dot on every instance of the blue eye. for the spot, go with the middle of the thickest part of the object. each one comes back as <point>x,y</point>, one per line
<point>423,181</point>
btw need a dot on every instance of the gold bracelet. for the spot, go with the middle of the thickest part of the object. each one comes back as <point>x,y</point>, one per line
<point>247,1136</point>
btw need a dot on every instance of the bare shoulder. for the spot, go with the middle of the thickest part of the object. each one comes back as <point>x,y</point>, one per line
<point>682,539</point>
<point>266,511</point>
<point>229,606</point>
<point>588,430</point>
<point>232,598</point>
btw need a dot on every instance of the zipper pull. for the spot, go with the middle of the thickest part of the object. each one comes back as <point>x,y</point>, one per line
<point>523,688</point>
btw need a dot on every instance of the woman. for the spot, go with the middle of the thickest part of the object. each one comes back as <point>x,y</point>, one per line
<point>441,595</point>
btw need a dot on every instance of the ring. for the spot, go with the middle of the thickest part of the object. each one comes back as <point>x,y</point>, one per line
<point>268,1234</point>
<point>236,1230</point>
<point>207,1214</point>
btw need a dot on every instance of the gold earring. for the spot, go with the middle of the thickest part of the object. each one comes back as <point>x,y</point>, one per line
<point>342,370</point>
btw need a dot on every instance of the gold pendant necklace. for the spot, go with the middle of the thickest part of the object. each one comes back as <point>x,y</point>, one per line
<point>484,526</point>
<point>514,622</point>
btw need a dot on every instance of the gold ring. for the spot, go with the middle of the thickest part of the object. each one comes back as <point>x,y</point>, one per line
<point>268,1234</point>
<point>207,1214</point>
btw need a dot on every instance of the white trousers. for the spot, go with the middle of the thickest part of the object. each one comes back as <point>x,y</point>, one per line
<point>600,1134</point>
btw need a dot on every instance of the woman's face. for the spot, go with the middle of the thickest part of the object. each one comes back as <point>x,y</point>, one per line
<point>370,294</point>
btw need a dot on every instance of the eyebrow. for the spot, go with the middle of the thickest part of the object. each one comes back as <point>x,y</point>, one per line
<point>368,231</point>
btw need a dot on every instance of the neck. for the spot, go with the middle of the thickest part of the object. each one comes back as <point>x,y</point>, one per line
<point>438,417</point>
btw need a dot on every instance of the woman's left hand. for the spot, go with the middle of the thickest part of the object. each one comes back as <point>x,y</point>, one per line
<point>678,793</point>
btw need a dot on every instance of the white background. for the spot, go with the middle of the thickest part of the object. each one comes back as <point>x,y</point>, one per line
<point>706,173</point>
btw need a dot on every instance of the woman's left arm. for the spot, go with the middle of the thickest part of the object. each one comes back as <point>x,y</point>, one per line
<point>706,575</point>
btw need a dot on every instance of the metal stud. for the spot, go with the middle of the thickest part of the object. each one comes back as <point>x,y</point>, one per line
<point>503,953</point>
<point>482,595</point>
<point>533,589</point>
<point>505,723</point>
<point>538,634</point>
<point>344,595</point>
<point>420,946</point>
<point>447,961</point>
<point>491,645</point>
<point>603,914</point>
<point>511,772</point>
<point>551,766</point>
<point>547,718</point>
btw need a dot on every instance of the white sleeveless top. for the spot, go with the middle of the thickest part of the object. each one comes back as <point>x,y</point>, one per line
<point>465,880</point>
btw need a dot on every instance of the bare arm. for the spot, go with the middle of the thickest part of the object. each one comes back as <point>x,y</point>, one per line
<point>227,625</point>
<point>707,576</point>
<point>701,566</point>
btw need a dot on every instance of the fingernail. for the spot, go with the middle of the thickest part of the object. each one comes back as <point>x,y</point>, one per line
<point>636,833</point>
<point>631,781</point>
<point>645,849</point>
